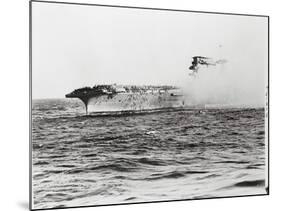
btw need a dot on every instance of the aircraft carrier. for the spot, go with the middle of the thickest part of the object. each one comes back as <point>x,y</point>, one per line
<point>113,97</point>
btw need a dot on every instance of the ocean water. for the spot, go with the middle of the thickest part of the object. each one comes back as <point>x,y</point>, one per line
<point>114,158</point>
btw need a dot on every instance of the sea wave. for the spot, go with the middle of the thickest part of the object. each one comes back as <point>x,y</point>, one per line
<point>176,153</point>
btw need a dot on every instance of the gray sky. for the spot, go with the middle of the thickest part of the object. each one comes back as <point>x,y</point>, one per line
<point>76,46</point>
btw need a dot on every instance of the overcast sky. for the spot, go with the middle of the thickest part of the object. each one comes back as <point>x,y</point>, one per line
<point>77,45</point>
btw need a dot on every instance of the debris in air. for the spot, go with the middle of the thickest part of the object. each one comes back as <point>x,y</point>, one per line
<point>198,61</point>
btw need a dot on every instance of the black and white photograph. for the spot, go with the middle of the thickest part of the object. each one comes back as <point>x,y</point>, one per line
<point>134,105</point>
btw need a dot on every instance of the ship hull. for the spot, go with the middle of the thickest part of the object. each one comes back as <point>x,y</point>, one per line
<point>134,102</point>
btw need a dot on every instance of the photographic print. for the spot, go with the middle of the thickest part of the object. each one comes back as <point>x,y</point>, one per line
<point>133,105</point>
